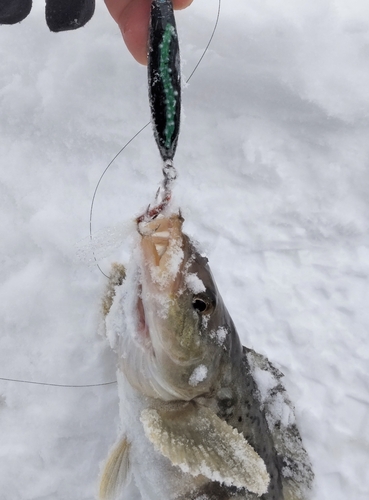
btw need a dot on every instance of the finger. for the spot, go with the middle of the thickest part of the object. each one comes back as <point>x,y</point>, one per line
<point>181,4</point>
<point>133,17</point>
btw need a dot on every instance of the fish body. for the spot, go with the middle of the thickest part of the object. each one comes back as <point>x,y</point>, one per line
<point>203,418</point>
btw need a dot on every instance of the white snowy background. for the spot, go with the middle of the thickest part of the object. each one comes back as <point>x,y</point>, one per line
<point>273,163</point>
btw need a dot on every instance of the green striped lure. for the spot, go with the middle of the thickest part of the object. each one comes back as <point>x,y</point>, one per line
<point>164,78</point>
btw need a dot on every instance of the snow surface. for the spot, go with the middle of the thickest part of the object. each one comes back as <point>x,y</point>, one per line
<point>273,161</point>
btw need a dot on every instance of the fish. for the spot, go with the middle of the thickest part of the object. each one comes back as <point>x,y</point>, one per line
<point>202,417</point>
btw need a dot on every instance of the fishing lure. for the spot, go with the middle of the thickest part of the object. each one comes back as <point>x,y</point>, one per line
<point>164,79</point>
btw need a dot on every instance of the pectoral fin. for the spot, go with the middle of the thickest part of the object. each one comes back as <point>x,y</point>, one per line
<point>195,439</point>
<point>115,474</point>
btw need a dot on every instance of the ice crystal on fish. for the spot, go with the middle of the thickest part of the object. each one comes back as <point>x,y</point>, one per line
<point>219,335</point>
<point>198,375</point>
<point>194,283</point>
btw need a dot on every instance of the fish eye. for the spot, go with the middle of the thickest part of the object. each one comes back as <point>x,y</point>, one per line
<point>202,304</point>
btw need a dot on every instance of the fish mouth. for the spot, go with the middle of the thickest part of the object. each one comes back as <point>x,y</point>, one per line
<point>159,240</point>
<point>162,347</point>
<point>162,258</point>
<point>162,248</point>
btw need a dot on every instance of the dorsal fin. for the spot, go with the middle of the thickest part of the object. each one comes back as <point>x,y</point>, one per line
<point>195,439</point>
<point>297,474</point>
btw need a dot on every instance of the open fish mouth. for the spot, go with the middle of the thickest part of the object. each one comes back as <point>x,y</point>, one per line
<point>159,233</point>
<point>162,249</point>
<point>162,259</point>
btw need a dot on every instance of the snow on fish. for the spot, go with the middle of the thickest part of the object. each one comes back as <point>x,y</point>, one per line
<point>202,418</point>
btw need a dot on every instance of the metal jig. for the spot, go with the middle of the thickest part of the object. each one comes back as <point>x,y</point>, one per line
<point>164,79</point>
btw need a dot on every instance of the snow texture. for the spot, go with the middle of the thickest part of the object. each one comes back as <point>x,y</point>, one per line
<point>273,181</point>
<point>219,335</point>
<point>198,375</point>
<point>194,283</point>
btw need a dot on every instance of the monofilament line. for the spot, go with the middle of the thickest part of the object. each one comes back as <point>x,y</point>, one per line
<point>56,385</point>
<point>97,187</point>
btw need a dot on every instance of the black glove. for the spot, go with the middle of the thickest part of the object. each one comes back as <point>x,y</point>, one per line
<point>61,15</point>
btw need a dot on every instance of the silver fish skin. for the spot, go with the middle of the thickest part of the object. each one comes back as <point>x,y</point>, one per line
<point>203,418</point>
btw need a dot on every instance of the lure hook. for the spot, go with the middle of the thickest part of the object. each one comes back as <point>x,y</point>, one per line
<point>163,194</point>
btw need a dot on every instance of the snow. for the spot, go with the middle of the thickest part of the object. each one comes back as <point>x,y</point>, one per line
<point>198,375</point>
<point>194,283</point>
<point>220,335</point>
<point>273,180</point>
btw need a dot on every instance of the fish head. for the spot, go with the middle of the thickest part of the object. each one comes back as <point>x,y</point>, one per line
<point>172,292</point>
<point>182,324</point>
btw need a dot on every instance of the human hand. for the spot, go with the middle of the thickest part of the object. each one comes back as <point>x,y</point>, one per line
<point>132,17</point>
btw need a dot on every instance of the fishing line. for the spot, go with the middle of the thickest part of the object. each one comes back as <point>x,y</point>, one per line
<point>56,385</point>
<point>139,132</point>
<point>208,44</point>
<point>97,187</point>
<point>92,207</point>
